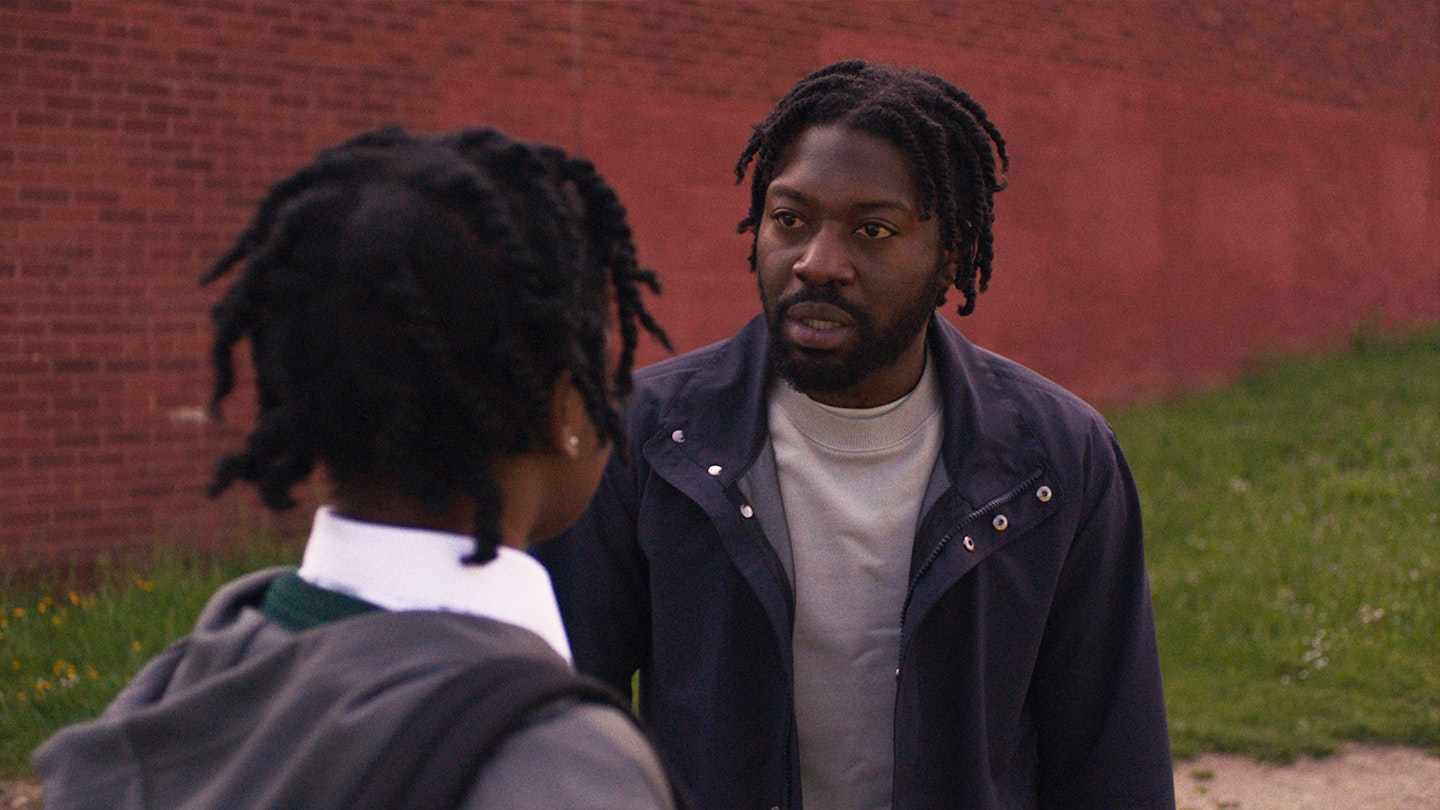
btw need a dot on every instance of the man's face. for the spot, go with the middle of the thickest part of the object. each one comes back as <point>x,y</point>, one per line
<point>849,273</point>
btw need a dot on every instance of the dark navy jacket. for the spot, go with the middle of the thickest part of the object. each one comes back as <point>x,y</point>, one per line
<point>1028,675</point>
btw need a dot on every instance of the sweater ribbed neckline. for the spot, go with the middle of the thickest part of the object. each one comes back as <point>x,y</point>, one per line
<point>862,430</point>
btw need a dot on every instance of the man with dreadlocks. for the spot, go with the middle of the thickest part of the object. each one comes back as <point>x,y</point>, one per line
<point>427,317</point>
<point>855,559</point>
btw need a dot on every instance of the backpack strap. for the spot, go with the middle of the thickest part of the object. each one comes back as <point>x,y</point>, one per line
<point>434,759</point>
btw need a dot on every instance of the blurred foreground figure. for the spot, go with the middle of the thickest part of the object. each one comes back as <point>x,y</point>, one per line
<point>427,317</point>
<point>857,560</point>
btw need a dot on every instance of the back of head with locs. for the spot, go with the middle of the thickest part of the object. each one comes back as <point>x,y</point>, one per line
<point>943,132</point>
<point>411,302</point>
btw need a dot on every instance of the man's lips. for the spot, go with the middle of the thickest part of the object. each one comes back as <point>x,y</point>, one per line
<point>817,326</point>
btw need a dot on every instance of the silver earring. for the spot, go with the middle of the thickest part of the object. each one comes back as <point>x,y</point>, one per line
<point>573,442</point>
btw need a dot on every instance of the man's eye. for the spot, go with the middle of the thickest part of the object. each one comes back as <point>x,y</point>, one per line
<point>874,230</point>
<point>786,219</point>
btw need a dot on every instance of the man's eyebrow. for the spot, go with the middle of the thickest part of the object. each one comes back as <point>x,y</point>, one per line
<point>881,203</point>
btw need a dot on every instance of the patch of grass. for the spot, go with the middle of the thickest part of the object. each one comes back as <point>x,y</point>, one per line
<point>70,640</point>
<point>1293,541</point>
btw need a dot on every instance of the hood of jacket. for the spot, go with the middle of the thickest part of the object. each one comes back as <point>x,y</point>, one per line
<point>243,712</point>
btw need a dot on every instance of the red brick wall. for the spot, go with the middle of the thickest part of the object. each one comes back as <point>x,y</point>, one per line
<point>1194,185</point>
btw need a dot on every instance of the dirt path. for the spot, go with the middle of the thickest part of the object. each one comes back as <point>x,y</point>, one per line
<point>1359,778</point>
<point>19,795</point>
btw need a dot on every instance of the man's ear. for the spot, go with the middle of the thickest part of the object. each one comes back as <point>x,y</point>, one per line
<point>567,417</point>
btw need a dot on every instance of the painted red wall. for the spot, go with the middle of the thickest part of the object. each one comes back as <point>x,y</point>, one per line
<point>1193,186</point>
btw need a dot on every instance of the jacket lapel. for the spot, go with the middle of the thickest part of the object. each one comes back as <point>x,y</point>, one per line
<point>993,461</point>
<point>709,438</point>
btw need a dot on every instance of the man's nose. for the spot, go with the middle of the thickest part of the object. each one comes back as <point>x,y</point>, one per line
<point>825,260</point>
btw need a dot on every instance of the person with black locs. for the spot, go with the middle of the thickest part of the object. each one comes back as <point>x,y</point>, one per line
<point>856,560</point>
<point>427,316</point>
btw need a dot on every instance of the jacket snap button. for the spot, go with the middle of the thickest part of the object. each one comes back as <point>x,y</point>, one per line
<point>715,469</point>
<point>969,543</point>
<point>1000,523</point>
<point>747,511</point>
<point>1044,494</point>
<point>678,436</point>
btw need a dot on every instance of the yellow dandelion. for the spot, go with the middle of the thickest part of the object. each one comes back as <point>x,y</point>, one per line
<point>15,665</point>
<point>60,666</point>
<point>4,622</point>
<point>92,673</point>
<point>135,645</point>
<point>18,613</point>
<point>143,584</point>
<point>56,620</point>
<point>74,598</point>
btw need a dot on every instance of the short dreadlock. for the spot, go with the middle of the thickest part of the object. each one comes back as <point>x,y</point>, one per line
<point>941,129</point>
<point>411,302</point>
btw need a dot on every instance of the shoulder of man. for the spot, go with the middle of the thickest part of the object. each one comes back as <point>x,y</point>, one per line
<point>729,365</point>
<point>1046,407</point>
<point>1038,391</point>
<point>673,371</point>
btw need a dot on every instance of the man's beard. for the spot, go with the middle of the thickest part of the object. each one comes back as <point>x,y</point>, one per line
<point>830,371</point>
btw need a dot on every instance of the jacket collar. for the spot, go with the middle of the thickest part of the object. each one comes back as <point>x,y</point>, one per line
<point>723,401</point>
<point>987,445</point>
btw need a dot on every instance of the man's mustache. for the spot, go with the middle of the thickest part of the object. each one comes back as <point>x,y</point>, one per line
<point>823,295</point>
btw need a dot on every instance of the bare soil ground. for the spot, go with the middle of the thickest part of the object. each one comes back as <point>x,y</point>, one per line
<point>19,795</point>
<point>1359,778</point>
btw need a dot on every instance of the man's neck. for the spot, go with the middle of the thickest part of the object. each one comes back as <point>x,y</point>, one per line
<point>882,386</point>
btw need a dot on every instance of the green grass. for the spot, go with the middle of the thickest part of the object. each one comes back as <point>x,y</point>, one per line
<point>67,648</point>
<point>1293,530</point>
<point>1293,541</point>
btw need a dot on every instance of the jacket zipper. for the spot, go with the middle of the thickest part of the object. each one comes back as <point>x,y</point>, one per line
<point>991,506</point>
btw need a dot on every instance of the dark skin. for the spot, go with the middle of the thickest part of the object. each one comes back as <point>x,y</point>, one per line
<point>844,214</point>
<point>543,491</point>
<point>381,502</point>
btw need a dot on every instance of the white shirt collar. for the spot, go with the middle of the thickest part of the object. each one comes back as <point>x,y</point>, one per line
<point>404,569</point>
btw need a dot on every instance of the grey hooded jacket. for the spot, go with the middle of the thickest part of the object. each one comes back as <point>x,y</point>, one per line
<point>245,713</point>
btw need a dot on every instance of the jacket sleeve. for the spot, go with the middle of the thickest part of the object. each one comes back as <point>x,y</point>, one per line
<point>601,581</point>
<point>1099,710</point>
